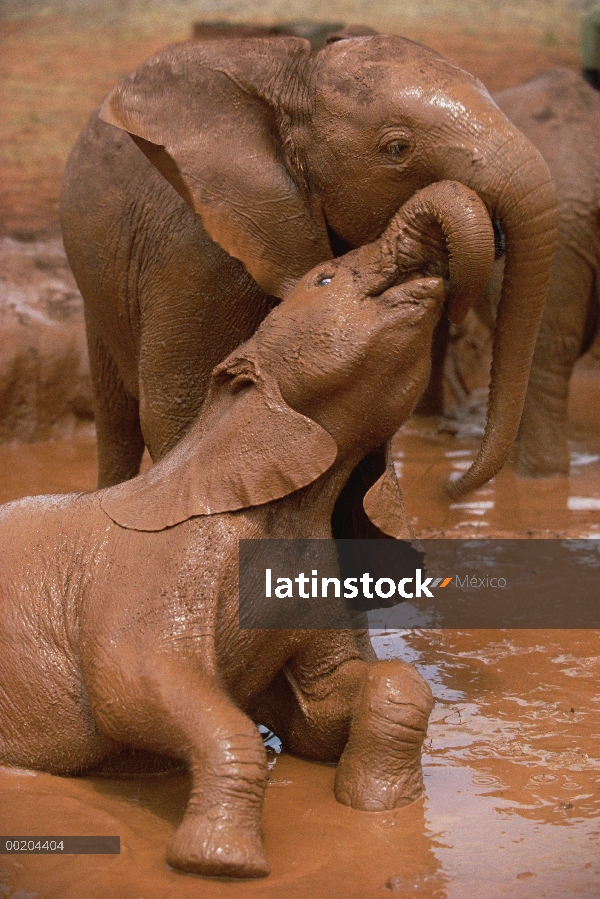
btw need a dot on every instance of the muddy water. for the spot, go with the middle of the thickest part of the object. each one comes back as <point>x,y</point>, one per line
<point>508,506</point>
<point>511,763</point>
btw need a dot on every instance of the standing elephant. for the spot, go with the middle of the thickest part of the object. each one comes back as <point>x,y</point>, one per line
<point>122,605</point>
<point>560,114</point>
<point>219,172</point>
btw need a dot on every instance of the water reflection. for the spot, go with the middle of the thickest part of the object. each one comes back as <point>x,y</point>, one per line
<point>508,505</point>
<point>512,757</point>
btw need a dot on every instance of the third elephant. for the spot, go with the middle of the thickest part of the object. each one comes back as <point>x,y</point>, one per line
<point>560,114</point>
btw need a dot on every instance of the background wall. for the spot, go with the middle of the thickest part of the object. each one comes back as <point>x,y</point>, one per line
<point>58,59</point>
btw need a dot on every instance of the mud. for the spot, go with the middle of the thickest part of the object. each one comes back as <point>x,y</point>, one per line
<point>45,388</point>
<point>511,761</point>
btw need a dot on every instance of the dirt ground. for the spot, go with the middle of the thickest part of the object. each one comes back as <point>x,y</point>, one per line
<point>55,69</point>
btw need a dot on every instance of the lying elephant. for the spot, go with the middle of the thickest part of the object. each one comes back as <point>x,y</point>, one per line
<point>219,172</point>
<point>119,609</point>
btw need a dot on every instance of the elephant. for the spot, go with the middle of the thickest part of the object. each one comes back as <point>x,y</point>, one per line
<point>219,172</point>
<point>121,605</point>
<point>560,114</point>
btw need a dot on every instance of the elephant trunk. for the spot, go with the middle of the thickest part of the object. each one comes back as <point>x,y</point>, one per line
<point>442,230</point>
<point>525,205</point>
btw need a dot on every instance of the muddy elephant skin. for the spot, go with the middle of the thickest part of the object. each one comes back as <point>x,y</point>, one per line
<point>560,114</point>
<point>219,172</point>
<point>119,610</point>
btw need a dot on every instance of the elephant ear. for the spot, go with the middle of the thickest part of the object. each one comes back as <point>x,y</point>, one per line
<point>384,503</point>
<point>247,448</point>
<point>200,114</point>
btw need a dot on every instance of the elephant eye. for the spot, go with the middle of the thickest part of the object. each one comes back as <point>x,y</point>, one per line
<point>397,149</point>
<point>324,279</point>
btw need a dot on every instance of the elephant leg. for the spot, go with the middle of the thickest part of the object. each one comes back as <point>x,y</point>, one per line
<point>380,768</point>
<point>372,714</point>
<point>543,449</point>
<point>198,305</point>
<point>432,399</point>
<point>175,709</point>
<point>119,436</point>
<point>172,392</point>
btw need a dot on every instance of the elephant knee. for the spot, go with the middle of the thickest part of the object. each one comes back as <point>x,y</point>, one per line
<point>397,702</point>
<point>380,767</point>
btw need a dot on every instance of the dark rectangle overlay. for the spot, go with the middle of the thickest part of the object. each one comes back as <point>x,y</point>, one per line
<point>60,845</point>
<point>333,584</point>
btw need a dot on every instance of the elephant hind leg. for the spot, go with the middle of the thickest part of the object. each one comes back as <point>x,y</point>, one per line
<point>118,432</point>
<point>174,709</point>
<point>543,447</point>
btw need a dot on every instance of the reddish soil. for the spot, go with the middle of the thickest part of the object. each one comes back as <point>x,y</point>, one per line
<point>55,72</point>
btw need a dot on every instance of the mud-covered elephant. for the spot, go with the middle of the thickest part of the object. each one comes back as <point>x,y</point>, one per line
<point>122,605</point>
<point>218,173</point>
<point>560,114</point>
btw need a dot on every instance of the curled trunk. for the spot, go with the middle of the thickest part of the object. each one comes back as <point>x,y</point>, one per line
<point>442,230</point>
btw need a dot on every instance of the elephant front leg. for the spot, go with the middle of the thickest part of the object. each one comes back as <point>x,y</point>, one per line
<point>181,712</point>
<point>380,768</point>
<point>116,412</point>
<point>372,716</point>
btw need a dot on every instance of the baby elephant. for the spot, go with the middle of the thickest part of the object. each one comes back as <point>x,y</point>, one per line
<point>119,608</point>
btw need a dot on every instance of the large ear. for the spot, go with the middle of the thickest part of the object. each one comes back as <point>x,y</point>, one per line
<point>209,117</point>
<point>384,503</point>
<point>247,448</point>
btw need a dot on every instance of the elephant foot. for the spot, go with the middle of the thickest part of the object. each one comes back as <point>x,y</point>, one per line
<point>542,448</point>
<point>380,768</point>
<point>361,790</point>
<point>215,846</point>
<point>556,466</point>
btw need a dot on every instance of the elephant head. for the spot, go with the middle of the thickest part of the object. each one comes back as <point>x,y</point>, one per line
<point>291,157</point>
<point>330,374</point>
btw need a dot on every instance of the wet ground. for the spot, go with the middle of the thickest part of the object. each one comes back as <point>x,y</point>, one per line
<point>511,761</point>
<point>508,506</point>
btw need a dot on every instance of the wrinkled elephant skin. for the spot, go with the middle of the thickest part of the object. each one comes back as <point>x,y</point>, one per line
<point>560,114</point>
<point>221,171</point>
<point>122,604</point>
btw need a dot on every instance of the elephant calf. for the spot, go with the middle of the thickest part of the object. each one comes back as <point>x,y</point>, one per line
<point>119,609</point>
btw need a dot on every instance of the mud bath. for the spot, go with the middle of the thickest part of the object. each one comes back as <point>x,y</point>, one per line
<point>511,761</point>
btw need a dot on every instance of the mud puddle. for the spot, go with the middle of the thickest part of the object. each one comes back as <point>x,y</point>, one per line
<point>508,506</point>
<point>511,762</point>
